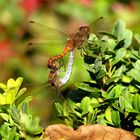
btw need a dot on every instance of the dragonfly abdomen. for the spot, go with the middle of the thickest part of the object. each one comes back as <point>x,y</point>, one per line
<point>51,61</point>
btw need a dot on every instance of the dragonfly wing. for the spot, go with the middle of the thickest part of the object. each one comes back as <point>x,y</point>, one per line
<point>43,33</point>
<point>46,38</point>
<point>99,25</point>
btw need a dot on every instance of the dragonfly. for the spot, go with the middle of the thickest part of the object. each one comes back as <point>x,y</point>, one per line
<point>53,76</point>
<point>71,41</point>
<point>74,40</point>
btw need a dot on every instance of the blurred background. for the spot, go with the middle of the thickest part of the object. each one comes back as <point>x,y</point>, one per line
<point>18,59</point>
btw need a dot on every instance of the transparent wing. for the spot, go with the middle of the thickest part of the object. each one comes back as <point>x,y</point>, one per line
<point>99,25</point>
<point>46,35</point>
<point>46,39</point>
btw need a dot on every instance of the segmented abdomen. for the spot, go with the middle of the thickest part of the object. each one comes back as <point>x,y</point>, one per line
<point>51,61</point>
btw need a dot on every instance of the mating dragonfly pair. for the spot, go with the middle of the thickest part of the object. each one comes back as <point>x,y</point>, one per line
<point>74,41</point>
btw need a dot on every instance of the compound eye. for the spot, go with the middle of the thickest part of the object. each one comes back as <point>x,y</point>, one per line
<point>81,28</point>
<point>84,29</point>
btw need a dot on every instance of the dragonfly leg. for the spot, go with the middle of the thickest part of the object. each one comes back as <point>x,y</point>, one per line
<point>62,64</point>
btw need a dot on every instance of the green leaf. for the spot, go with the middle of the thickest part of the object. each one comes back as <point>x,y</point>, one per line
<point>106,95</point>
<point>112,79</point>
<point>118,29</point>
<point>5,116</point>
<point>125,100</point>
<point>133,89</point>
<point>87,88</point>
<point>23,106</point>
<point>108,114</point>
<point>97,64</point>
<point>3,86</point>
<point>116,91</point>
<point>11,91</point>
<point>8,133</point>
<point>59,108</point>
<point>91,117</point>
<point>119,55</point>
<point>108,34</point>
<point>85,105</point>
<point>121,33</point>
<point>101,119</point>
<point>137,123</point>
<point>116,118</point>
<point>21,91</point>
<point>120,44</point>
<point>137,64</point>
<point>94,102</point>
<point>31,125</point>
<point>138,117</point>
<point>119,71</point>
<point>111,44</point>
<point>15,114</point>
<point>134,73</point>
<point>137,132</point>
<point>92,38</point>
<point>126,79</point>
<point>128,38</point>
<point>101,73</point>
<point>136,102</point>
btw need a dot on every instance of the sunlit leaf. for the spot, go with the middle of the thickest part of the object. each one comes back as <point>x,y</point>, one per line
<point>85,105</point>
<point>30,124</point>
<point>15,114</point>
<point>137,123</point>
<point>108,114</point>
<point>119,55</point>
<point>125,100</point>
<point>87,88</point>
<point>118,29</point>
<point>136,102</point>
<point>126,79</point>
<point>102,72</point>
<point>116,118</point>
<point>134,73</point>
<point>137,132</point>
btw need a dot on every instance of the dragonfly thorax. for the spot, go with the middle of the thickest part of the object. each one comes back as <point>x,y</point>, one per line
<point>81,36</point>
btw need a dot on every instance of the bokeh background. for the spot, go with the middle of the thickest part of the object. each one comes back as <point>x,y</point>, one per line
<point>17,59</point>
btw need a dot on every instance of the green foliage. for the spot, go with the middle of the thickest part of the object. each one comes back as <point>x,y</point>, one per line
<point>18,121</point>
<point>8,133</point>
<point>111,97</point>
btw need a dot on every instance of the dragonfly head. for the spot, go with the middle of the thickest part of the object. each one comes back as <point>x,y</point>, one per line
<point>84,29</point>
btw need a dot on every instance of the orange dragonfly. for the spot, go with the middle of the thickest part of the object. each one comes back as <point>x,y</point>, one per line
<point>75,40</point>
<point>42,35</point>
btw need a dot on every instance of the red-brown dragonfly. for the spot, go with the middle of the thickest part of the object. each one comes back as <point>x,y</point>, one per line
<point>75,40</point>
<point>72,41</point>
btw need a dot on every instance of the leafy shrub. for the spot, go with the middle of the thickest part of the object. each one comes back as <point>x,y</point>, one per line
<point>18,121</point>
<point>111,97</point>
